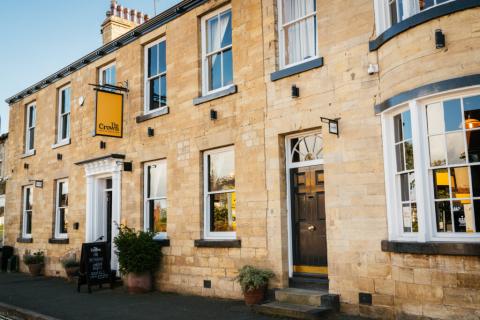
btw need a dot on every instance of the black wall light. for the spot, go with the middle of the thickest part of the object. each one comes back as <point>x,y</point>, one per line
<point>59,156</point>
<point>76,225</point>
<point>295,91</point>
<point>332,125</point>
<point>150,132</point>
<point>439,39</point>
<point>103,145</point>
<point>213,114</point>
<point>128,166</point>
<point>25,166</point>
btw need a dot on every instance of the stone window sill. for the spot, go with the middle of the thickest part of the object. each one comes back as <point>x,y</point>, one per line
<point>61,144</point>
<point>432,248</point>
<point>58,241</point>
<point>216,95</point>
<point>154,114</point>
<point>24,240</point>
<point>201,243</point>
<point>28,154</point>
<point>299,68</point>
<point>163,242</point>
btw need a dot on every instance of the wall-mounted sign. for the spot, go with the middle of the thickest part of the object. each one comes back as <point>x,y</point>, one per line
<point>109,114</point>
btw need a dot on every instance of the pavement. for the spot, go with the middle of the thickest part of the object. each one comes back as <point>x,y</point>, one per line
<point>55,298</point>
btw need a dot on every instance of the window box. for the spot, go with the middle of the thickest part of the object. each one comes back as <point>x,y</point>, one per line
<point>201,243</point>
<point>217,95</point>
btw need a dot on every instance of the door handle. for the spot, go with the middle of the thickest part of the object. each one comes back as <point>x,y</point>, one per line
<point>311,228</point>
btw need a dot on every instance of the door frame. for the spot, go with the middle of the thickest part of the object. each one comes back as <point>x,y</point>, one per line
<point>95,172</point>
<point>288,166</point>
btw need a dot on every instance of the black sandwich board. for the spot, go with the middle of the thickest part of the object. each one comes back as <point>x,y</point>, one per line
<point>95,265</point>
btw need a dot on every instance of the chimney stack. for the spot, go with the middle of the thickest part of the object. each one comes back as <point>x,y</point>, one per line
<point>120,20</point>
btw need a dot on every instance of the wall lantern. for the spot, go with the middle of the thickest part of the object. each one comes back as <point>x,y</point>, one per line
<point>295,91</point>
<point>25,166</point>
<point>38,183</point>
<point>103,145</point>
<point>332,125</point>
<point>213,114</point>
<point>59,156</point>
<point>150,132</point>
<point>128,166</point>
<point>439,39</point>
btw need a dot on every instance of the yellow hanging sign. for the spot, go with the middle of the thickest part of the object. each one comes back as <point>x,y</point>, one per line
<point>109,114</point>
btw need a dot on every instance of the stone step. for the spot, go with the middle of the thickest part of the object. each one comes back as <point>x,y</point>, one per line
<point>300,296</point>
<point>308,282</point>
<point>295,311</point>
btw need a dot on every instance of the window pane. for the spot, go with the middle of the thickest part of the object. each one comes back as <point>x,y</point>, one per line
<point>300,41</point>
<point>409,155</point>
<point>407,218</point>
<point>31,117</point>
<point>477,214</point>
<point>152,61</point>
<point>400,157</point>
<point>453,115</point>
<point>435,119</point>
<point>154,94</point>
<point>472,112</point>
<point>473,141</point>
<point>227,68</point>
<point>393,12</point>
<point>31,142</point>
<point>157,180</point>
<point>163,90</point>
<point>414,218</point>
<point>463,216</point>
<point>475,181</point>
<point>67,100</point>
<point>213,35</point>
<point>397,122</point>
<point>221,171</point>
<point>226,28</point>
<point>222,212</point>
<point>162,52</point>
<point>28,222</point>
<point>404,187</point>
<point>407,125</point>
<point>294,9</point>
<point>424,4</point>
<point>65,126</point>
<point>113,75</point>
<point>63,194</point>
<point>215,72</point>
<point>444,218</point>
<point>440,184</point>
<point>62,220</point>
<point>460,182</point>
<point>157,215</point>
<point>411,187</point>
<point>437,150</point>
<point>456,148</point>
<point>28,199</point>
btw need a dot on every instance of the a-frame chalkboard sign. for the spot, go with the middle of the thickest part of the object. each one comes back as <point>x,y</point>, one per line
<point>95,265</point>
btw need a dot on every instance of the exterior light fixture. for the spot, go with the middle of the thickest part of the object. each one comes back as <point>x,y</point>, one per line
<point>213,114</point>
<point>128,166</point>
<point>295,91</point>
<point>439,39</point>
<point>150,132</point>
<point>59,156</point>
<point>103,145</point>
<point>39,184</point>
<point>25,166</point>
<point>332,125</point>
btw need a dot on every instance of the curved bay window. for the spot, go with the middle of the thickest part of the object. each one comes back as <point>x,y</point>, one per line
<point>432,150</point>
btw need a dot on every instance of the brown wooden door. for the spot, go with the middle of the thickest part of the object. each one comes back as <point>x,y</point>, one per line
<point>309,227</point>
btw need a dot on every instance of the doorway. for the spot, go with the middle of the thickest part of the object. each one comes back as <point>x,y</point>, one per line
<point>306,206</point>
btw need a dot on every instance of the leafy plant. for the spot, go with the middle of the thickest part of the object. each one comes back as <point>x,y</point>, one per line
<point>251,278</point>
<point>137,251</point>
<point>36,258</point>
<point>70,263</point>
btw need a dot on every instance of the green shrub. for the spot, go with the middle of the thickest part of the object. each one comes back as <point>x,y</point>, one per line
<point>70,263</point>
<point>36,258</point>
<point>137,251</point>
<point>251,278</point>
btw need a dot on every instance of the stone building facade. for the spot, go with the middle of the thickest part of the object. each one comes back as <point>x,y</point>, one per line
<point>318,122</point>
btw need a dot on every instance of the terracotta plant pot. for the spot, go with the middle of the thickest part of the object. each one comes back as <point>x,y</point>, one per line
<point>35,269</point>
<point>139,283</point>
<point>71,272</point>
<point>255,296</point>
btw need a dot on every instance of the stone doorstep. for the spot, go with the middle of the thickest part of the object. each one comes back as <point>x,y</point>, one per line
<point>295,311</point>
<point>300,296</point>
<point>15,312</point>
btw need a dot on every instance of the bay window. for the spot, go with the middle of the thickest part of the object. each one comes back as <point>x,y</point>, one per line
<point>61,209</point>
<point>297,23</point>
<point>27,209</point>
<point>219,194</point>
<point>432,152</point>
<point>156,76</point>
<point>155,203</point>
<point>217,62</point>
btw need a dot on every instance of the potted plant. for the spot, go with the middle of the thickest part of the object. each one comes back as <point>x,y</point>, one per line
<point>72,266</point>
<point>139,256</point>
<point>254,283</point>
<point>34,262</point>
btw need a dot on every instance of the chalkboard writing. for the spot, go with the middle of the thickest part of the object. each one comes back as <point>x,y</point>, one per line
<point>95,265</point>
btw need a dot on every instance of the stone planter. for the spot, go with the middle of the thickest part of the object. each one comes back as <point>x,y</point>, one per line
<point>35,269</point>
<point>71,272</point>
<point>255,296</point>
<point>139,282</point>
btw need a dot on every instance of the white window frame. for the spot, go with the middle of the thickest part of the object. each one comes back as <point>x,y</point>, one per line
<point>26,235</point>
<point>410,8</point>
<point>147,78</point>
<point>205,73</point>
<point>60,115</point>
<point>101,81</point>
<point>281,36</point>
<point>29,126</point>
<point>58,234</point>
<point>146,217</point>
<point>423,177</point>
<point>211,235</point>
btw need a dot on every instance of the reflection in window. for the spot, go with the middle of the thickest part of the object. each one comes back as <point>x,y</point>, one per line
<point>306,148</point>
<point>453,131</point>
<point>400,10</point>
<point>220,193</point>
<point>405,175</point>
<point>156,197</point>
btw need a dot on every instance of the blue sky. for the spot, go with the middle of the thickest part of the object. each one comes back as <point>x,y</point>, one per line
<point>40,37</point>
